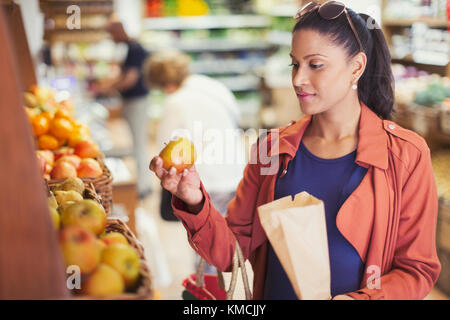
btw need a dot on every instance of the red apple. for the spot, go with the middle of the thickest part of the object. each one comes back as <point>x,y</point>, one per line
<point>87,149</point>
<point>89,168</point>
<point>63,170</point>
<point>79,247</point>
<point>41,163</point>
<point>49,159</point>
<point>72,159</point>
<point>63,151</point>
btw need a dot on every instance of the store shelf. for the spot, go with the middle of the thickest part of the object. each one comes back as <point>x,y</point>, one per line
<point>410,59</point>
<point>206,22</point>
<point>285,10</point>
<point>279,38</point>
<point>224,66</point>
<point>240,83</point>
<point>431,22</point>
<point>215,45</point>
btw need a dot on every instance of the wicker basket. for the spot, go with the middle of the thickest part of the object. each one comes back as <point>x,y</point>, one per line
<point>102,185</point>
<point>424,120</point>
<point>445,121</point>
<point>443,245</point>
<point>402,115</point>
<point>143,289</point>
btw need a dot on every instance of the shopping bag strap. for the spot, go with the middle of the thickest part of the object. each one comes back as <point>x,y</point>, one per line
<point>238,263</point>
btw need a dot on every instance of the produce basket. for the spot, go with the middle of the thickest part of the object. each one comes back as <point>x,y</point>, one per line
<point>402,115</point>
<point>102,185</point>
<point>424,120</point>
<point>445,121</point>
<point>443,244</point>
<point>143,289</point>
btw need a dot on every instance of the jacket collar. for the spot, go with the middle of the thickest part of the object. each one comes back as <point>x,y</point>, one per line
<point>372,143</point>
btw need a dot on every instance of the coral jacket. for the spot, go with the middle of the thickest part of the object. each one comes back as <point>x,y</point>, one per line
<point>390,218</point>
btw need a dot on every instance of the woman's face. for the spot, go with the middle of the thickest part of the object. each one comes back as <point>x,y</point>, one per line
<point>322,74</point>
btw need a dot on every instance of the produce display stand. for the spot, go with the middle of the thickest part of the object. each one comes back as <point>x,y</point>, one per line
<point>31,265</point>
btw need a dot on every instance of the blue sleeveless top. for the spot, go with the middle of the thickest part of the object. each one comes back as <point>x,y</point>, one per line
<point>332,181</point>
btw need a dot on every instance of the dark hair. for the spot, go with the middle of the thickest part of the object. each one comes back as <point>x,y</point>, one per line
<point>376,85</point>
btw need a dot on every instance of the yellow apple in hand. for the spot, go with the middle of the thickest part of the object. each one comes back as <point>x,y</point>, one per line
<point>103,282</point>
<point>179,153</point>
<point>125,260</point>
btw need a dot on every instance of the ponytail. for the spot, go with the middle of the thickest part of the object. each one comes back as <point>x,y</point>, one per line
<point>376,85</point>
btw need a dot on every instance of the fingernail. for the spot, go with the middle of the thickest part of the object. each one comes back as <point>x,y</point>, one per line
<point>185,172</point>
<point>172,170</point>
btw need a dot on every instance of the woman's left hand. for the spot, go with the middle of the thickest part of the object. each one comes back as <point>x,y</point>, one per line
<point>343,297</point>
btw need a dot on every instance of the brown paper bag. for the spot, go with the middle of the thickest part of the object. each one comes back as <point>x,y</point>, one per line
<point>297,232</point>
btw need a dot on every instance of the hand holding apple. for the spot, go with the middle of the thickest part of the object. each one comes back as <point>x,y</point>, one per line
<point>185,185</point>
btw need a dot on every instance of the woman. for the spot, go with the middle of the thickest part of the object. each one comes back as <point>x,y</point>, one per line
<point>374,177</point>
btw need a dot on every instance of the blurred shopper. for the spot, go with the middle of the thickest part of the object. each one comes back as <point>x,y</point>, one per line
<point>131,87</point>
<point>206,110</point>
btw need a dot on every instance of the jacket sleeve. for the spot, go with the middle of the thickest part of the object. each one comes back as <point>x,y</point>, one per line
<point>415,267</point>
<point>212,235</point>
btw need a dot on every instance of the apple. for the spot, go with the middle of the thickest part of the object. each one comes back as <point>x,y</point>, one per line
<point>87,214</point>
<point>114,237</point>
<point>87,149</point>
<point>65,196</point>
<point>63,151</point>
<point>89,168</point>
<point>55,218</point>
<point>49,159</point>
<point>76,138</point>
<point>103,282</point>
<point>179,153</point>
<point>79,247</point>
<point>101,244</point>
<point>72,159</point>
<point>63,170</point>
<point>41,163</point>
<point>74,184</point>
<point>52,203</point>
<point>125,260</point>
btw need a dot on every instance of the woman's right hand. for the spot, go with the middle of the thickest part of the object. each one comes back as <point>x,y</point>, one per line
<point>185,185</point>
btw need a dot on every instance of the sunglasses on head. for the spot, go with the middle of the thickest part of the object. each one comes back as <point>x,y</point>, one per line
<point>329,10</point>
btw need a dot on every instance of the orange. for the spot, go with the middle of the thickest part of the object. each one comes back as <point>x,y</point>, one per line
<point>47,142</point>
<point>62,113</point>
<point>31,113</point>
<point>40,125</point>
<point>81,128</point>
<point>62,142</point>
<point>48,115</point>
<point>61,128</point>
<point>76,138</point>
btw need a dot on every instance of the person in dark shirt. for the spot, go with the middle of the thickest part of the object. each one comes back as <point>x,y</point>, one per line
<point>131,87</point>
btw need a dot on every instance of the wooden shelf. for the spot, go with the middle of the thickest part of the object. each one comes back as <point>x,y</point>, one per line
<point>206,22</point>
<point>431,22</point>
<point>31,264</point>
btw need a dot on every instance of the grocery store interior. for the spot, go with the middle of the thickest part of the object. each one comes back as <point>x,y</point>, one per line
<point>68,59</point>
